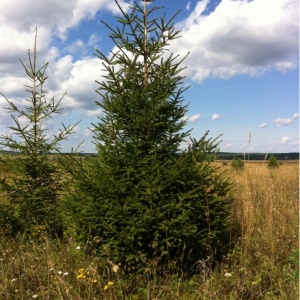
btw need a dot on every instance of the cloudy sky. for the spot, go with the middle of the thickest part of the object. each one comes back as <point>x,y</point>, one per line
<point>242,66</point>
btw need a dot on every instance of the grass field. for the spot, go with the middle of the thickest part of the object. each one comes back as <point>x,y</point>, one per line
<point>264,264</point>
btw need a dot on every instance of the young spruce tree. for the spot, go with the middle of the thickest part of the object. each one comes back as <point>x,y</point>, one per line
<point>143,202</point>
<point>32,194</point>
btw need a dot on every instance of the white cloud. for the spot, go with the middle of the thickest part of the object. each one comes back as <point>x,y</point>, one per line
<point>279,122</point>
<point>94,40</point>
<point>53,18</point>
<point>285,140</point>
<point>188,6</point>
<point>262,125</point>
<point>239,37</point>
<point>215,117</point>
<point>194,118</point>
<point>76,46</point>
<point>96,112</point>
<point>78,79</point>
<point>57,15</point>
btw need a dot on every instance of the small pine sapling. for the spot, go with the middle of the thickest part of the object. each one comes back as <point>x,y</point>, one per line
<point>33,190</point>
<point>273,162</point>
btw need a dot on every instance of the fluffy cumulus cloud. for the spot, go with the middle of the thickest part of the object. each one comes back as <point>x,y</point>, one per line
<point>279,122</point>
<point>53,19</point>
<point>78,79</point>
<point>239,37</point>
<point>55,15</point>
<point>215,117</point>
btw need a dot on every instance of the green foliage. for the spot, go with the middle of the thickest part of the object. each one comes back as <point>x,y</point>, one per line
<point>32,193</point>
<point>273,162</point>
<point>143,202</point>
<point>237,164</point>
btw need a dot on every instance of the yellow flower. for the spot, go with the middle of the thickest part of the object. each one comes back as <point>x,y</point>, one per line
<point>82,273</point>
<point>110,283</point>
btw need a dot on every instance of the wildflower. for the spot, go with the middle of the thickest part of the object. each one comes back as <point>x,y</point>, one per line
<point>227,274</point>
<point>82,274</point>
<point>109,284</point>
<point>66,273</point>
<point>78,248</point>
<point>115,268</point>
<point>14,279</point>
<point>59,272</point>
<point>35,296</point>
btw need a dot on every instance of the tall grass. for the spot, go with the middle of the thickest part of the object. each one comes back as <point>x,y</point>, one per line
<point>263,264</point>
<point>266,211</point>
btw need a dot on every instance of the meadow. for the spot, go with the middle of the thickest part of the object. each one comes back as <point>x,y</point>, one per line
<point>263,264</point>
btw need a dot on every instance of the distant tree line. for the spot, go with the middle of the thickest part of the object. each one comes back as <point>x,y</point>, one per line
<point>221,155</point>
<point>259,156</point>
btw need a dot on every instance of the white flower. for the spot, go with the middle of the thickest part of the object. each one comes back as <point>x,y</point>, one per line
<point>59,272</point>
<point>14,279</point>
<point>115,268</point>
<point>35,296</point>
<point>78,248</point>
<point>228,274</point>
<point>66,273</point>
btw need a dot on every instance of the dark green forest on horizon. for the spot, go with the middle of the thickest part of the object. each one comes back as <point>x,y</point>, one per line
<point>221,155</point>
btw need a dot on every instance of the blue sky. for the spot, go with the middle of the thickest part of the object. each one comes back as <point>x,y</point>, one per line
<point>242,67</point>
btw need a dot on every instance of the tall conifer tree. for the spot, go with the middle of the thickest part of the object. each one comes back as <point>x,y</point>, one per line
<point>143,201</point>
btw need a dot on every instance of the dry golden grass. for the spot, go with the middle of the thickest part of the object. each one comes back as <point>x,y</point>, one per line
<point>266,206</point>
<point>266,210</point>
